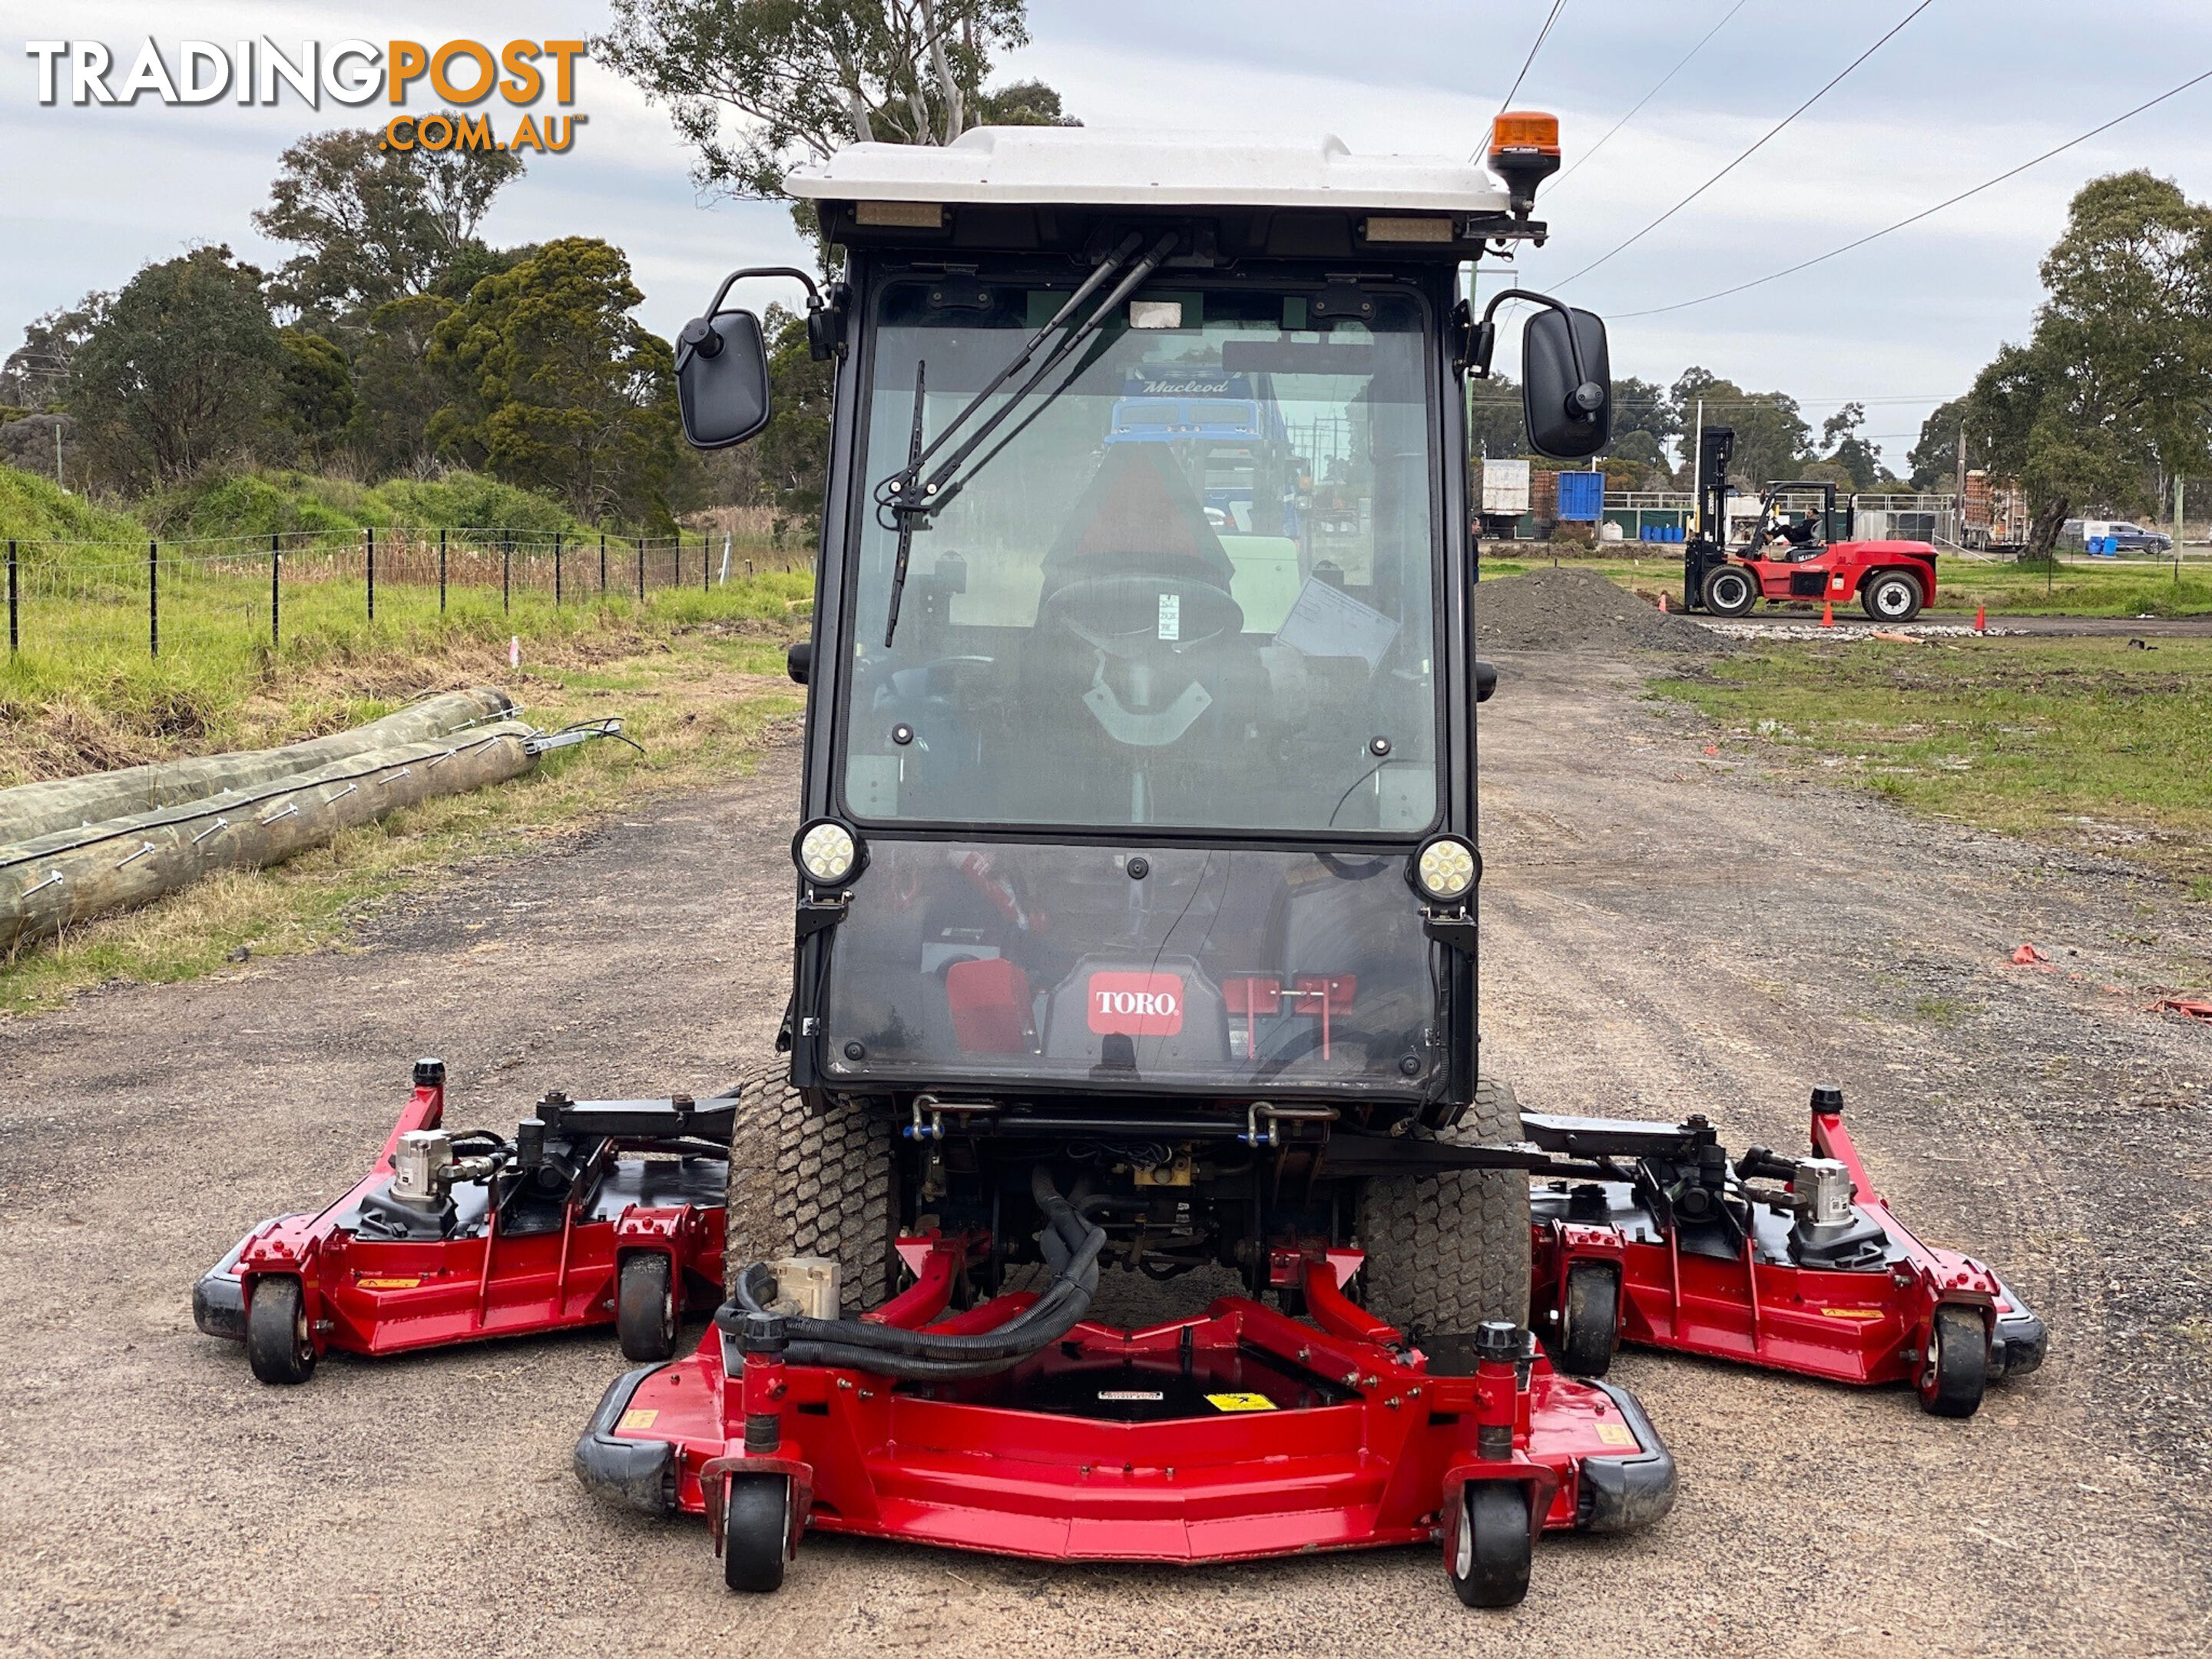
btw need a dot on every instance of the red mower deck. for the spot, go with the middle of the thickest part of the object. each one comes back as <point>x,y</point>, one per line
<point>597,1213</point>
<point>1234,1434</point>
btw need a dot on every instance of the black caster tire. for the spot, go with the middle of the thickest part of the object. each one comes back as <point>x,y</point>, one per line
<point>646,1311</point>
<point>1891,597</point>
<point>1729,590</point>
<point>1489,1549</point>
<point>1955,1370</point>
<point>757,1533</point>
<point>1590,1321</point>
<point>278,1345</point>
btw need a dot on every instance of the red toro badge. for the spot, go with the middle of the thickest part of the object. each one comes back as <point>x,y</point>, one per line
<point>1136,1004</point>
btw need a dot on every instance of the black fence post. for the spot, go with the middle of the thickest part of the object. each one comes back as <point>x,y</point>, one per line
<point>370,531</point>
<point>154,599</point>
<point>12,641</point>
<point>640,540</point>
<point>706,561</point>
<point>557,570</point>
<point>442,572</point>
<point>677,580</point>
<point>507,573</point>
<point>275,591</point>
<point>603,565</point>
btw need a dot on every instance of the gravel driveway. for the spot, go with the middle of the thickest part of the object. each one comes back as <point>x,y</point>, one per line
<point>1666,932</point>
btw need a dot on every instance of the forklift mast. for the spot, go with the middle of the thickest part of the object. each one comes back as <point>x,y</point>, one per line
<point>1708,543</point>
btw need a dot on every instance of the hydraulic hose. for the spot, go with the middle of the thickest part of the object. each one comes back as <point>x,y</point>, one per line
<point>1071,1247</point>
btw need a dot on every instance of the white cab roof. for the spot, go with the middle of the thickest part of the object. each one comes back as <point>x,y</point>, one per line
<point>1089,165</point>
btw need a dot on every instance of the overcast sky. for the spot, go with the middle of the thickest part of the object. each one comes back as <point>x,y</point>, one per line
<point>1968,89</point>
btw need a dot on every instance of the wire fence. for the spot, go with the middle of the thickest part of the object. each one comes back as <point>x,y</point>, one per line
<point>81,600</point>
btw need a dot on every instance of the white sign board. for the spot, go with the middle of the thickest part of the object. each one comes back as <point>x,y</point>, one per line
<point>1505,488</point>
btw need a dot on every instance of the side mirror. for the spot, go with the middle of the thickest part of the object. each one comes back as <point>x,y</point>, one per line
<point>1566,384</point>
<point>722,378</point>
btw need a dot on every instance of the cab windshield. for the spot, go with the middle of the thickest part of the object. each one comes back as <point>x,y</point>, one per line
<point>1194,588</point>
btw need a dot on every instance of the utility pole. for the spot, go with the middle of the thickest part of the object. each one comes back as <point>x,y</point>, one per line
<point>2180,484</point>
<point>1959,510</point>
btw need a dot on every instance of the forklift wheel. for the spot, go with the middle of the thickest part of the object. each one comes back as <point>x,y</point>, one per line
<point>1729,590</point>
<point>757,1533</point>
<point>277,1343</point>
<point>1957,1367</point>
<point>1891,596</point>
<point>646,1313</point>
<point>1488,1552</point>
<point>1590,1321</point>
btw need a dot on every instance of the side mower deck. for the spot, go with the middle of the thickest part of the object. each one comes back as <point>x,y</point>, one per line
<point>1236,1433</point>
<point>597,1213</point>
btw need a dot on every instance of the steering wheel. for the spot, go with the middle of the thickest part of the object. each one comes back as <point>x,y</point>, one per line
<point>1128,614</point>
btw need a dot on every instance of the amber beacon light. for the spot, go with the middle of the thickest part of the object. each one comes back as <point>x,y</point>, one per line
<point>1524,151</point>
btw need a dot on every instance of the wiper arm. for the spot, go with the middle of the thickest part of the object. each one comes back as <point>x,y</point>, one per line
<point>913,452</point>
<point>903,497</point>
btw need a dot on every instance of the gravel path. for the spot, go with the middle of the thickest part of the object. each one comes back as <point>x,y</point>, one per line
<point>1666,931</point>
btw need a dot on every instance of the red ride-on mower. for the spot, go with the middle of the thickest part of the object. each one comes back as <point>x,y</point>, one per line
<point>596,1213</point>
<point>1803,562</point>
<point>1136,875</point>
<point>1676,1247</point>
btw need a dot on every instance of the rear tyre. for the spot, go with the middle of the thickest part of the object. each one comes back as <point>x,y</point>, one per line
<point>278,1345</point>
<point>1729,590</point>
<point>645,1314</point>
<point>757,1533</point>
<point>1956,1370</point>
<point>1891,596</point>
<point>1448,1251</point>
<point>1489,1549</point>
<point>811,1175</point>
<point>1590,1321</point>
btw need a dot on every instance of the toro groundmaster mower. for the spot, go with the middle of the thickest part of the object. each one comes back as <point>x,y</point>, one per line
<point>1135,903</point>
<point>1806,563</point>
<point>596,1213</point>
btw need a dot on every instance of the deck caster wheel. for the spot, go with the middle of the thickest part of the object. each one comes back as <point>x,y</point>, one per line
<point>757,1533</point>
<point>1956,1368</point>
<point>278,1345</point>
<point>1489,1550</point>
<point>1590,1321</point>
<point>646,1313</point>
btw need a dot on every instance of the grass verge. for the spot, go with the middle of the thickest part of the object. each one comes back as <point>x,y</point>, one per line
<point>2083,742</point>
<point>698,693</point>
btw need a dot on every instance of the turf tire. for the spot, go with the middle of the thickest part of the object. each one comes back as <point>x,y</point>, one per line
<point>811,1174</point>
<point>1448,1251</point>
<point>646,1311</point>
<point>278,1345</point>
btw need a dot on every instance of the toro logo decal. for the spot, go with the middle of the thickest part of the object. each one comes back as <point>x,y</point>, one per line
<point>1136,1004</point>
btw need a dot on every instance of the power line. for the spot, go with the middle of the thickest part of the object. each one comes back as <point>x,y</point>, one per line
<point>1558,6</point>
<point>1754,148</point>
<point>1987,184</point>
<point>1647,97</point>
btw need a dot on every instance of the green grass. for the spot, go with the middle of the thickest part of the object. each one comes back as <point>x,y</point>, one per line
<point>36,508</point>
<point>262,503</point>
<point>2083,742</point>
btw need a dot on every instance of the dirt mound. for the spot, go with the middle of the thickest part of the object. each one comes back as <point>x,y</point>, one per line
<point>1562,610</point>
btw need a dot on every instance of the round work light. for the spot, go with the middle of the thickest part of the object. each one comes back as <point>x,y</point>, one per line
<point>827,853</point>
<point>1444,870</point>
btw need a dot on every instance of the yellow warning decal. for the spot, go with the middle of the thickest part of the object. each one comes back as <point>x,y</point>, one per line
<point>386,1283</point>
<point>1240,1402</point>
<point>635,1420</point>
<point>1615,1434</point>
<point>1854,1313</point>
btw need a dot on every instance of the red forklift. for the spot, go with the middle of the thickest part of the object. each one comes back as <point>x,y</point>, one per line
<point>1814,561</point>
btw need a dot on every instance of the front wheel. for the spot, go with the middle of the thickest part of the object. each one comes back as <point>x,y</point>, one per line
<point>1955,1370</point>
<point>1491,1548</point>
<point>1730,591</point>
<point>645,1307</point>
<point>278,1345</point>
<point>757,1533</point>
<point>1891,596</point>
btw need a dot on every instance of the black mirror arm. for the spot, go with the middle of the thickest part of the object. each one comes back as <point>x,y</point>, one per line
<point>813,294</point>
<point>1487,335</point>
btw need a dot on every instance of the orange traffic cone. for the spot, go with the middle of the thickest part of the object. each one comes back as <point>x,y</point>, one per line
<point>1663,604</point>
<point>1981,619</point>
<point>1827,613</point>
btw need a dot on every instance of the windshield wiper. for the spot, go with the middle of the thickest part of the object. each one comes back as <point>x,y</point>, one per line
<point>906,496</point>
